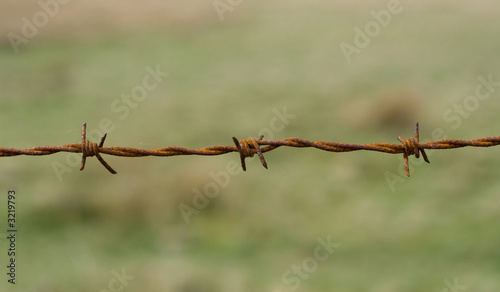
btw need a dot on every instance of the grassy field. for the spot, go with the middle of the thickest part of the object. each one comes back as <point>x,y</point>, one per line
<point>267,67</point>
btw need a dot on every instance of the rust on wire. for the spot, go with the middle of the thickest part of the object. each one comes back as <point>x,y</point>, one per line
<point>250,147</point>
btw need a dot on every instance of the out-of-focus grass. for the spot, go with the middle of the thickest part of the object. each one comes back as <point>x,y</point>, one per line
<point>225,79</point>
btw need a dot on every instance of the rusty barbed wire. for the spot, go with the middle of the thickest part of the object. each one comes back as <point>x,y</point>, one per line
<point>250,147</point>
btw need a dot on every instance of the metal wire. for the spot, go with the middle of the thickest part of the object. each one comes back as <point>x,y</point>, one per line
<point>250,147</point>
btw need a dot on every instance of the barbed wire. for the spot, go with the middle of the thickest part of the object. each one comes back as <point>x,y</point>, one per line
<point>250,147</point>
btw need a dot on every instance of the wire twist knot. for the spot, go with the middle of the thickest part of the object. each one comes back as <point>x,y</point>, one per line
<point>248,148</point>
<point>90,149</point>
<point>412,147</point>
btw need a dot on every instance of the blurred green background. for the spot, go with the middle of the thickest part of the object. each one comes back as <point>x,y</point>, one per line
<point>231,66</point>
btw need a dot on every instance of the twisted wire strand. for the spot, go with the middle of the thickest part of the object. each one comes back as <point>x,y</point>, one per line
<point>249,147</point>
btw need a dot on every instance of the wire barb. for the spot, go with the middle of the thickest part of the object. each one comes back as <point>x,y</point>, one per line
<point>250,147</point>
<point>247,148</point>
<point>412,146</point>
<point>90,149</point>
